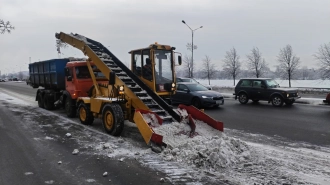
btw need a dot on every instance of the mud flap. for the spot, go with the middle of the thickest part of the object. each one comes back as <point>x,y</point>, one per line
<point>146,131</point>
<point>199,115</point>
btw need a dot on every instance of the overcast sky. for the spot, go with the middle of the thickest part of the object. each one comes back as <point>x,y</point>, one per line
<point>124,25</point>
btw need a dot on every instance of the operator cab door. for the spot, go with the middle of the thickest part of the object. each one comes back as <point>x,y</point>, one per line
<point>258,90</point>
<point>140,68</point>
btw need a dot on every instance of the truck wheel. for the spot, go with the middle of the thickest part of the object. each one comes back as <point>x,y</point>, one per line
<point>113,119</point>
<point>40,101</point>
<point>85,115</point>
<point>69,108</point>
<point>242,98</point>
<point>277,101</point>
<point>48,102</point>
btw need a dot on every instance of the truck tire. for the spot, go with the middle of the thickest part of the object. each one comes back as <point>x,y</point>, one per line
<point>85,115</point>
<point>113,119</point>
<point>40,101</point>
<point>48,102</point>
<point>70,108</point>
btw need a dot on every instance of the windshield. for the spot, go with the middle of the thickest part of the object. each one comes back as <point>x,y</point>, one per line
<point>196,87</point>
<point>163,66</point>
<point>271,83</point>
<point>83,73</point>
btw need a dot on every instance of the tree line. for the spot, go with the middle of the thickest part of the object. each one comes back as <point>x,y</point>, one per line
<point>288,66</point>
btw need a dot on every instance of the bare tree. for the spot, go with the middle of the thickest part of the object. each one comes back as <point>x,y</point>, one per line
<point>208,68</point>
<point>188,66</point>
<point>231,64</point>
<point>288,63</point>
<point>323,56</point>
<point>256,63</point>
<point>5,27</point>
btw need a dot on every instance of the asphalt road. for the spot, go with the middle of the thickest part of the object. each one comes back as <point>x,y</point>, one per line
<point>296,123</point>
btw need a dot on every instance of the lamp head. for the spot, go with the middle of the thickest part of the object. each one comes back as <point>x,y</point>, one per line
<point>183,22</point>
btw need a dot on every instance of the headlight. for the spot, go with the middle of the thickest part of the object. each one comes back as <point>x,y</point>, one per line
<point>173,85</point>
<point>208,97</point>
<point>287,95</point>
<point>121,89</point>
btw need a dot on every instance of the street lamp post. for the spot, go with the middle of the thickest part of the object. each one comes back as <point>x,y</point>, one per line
<point>192,44</point>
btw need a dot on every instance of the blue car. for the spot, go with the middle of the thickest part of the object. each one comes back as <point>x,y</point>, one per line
<point>197,95</point>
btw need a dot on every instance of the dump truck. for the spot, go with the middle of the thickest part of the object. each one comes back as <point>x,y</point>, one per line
<point>62,82</point>
<point>128,94</point>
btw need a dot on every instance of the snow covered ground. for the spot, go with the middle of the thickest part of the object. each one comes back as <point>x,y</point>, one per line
<point>211,157</point>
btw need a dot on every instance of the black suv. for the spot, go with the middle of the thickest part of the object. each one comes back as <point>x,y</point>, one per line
<point>264,89</point>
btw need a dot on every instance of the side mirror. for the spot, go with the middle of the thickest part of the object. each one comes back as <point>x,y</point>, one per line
<point>179,60</point>
<point>66,72</point>
<point>188,91</point>
<point>69,78</point>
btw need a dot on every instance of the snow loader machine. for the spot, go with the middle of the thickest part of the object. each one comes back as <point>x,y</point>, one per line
<point>132,94</point>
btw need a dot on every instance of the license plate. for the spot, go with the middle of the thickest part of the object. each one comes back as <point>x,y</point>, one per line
<point>219,102</point>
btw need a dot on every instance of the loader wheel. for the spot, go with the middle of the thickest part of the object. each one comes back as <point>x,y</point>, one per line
<point>196,103</point>
<point>277,101</point>
<point>40,101</point>
<point>113,119</point>
<point>70,109</point>
<point>48,103</point>
<point>242,98</point>
<point>85,115</point>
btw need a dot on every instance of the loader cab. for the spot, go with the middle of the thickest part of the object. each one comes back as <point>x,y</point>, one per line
<point>155,66</point>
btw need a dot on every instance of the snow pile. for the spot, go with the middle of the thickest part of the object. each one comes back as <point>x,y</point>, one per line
<point>210,148</point>
<point>151,119</point>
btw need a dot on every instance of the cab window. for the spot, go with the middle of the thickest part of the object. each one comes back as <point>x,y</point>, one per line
<point>246,83</point>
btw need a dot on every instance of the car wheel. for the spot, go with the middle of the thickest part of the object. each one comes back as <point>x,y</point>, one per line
<point>196,102</point>
<point>255,101</point>
<point>289,102</point>
<point>242,98</point>
<point>277,101</point>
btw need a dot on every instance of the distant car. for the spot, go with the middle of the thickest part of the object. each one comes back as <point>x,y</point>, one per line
<point>195,94</point>
<point>2,80</point>
<point>181,79</point>
<point>267,89</point>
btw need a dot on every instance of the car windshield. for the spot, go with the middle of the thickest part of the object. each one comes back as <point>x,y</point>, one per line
<point>196,87</point>
<point>271,83</point>
<point>188,80</point>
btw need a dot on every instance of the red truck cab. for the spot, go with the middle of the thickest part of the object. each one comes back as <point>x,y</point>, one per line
<point>78,82</point>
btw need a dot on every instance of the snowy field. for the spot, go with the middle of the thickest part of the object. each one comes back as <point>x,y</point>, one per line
<point>211,157</point>
<point>283,83</point>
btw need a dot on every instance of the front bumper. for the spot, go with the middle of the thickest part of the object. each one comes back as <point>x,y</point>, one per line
<point>293,98</point>
<point>212,103</point>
